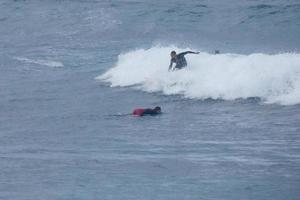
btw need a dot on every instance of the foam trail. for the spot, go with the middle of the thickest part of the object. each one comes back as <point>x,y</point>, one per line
<point>273,78</point>
<point>48,63</point>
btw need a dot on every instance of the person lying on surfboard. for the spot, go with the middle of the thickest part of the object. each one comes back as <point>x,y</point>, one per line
<point>146,111</point>
<point>179,60</point>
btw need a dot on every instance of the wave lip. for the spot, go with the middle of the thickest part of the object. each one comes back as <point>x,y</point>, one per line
<point>273,78</point>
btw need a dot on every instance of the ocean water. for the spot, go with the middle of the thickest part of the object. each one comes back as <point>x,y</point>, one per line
<point>72,71</point>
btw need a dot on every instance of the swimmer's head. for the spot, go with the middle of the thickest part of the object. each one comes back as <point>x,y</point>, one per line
<point>173,54</point>
<point>157,109</point>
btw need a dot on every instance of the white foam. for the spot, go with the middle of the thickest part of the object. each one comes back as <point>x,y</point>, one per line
<point>48,63</point>
<point>273,78</point>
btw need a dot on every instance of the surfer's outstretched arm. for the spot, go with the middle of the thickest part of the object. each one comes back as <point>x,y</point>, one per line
<point>187,52</point>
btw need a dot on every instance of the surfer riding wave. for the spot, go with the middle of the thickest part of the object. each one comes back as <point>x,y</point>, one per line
<point>179,60</point>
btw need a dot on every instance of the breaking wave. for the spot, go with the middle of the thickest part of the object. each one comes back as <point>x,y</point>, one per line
<point>273,78</point>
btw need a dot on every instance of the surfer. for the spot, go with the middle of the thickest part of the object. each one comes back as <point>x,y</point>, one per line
<point>179,60</point>
<point>146,111</point>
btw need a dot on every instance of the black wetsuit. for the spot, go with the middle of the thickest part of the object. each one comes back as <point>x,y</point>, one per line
<point>149,111</point>
<point>145,111</point>
<point>179,60</point>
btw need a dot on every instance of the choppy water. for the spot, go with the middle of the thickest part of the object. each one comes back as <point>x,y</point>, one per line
<point>230,127</point>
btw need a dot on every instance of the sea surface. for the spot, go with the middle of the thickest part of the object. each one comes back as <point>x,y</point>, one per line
<point>72,71</point>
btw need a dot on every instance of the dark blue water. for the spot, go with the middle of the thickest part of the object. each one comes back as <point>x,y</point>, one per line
<point>64,134</point>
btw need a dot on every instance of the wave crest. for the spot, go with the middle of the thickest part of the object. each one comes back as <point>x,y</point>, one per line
<point>273,78</point>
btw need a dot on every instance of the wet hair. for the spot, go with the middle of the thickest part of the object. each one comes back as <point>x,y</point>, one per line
<point>173,52</point>
<point>157,108</point>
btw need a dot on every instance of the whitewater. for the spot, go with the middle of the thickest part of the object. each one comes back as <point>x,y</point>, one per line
<point>275,78</point>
